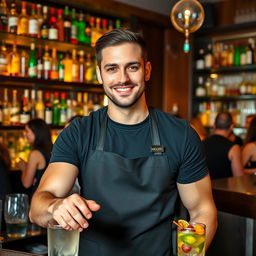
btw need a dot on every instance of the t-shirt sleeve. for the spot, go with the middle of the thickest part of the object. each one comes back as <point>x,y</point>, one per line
<point>65,148</point>
<point>193,166</point>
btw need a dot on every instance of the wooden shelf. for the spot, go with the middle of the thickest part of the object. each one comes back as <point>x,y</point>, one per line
<point>226,98</point>
<point>21,127</point>
<point>34,83</point>
<point>26,41</point>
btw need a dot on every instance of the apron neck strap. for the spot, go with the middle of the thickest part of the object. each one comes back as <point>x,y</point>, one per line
<point>156,147</point>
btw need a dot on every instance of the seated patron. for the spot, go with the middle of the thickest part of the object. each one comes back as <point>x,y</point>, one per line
<point>249,150</point>
<point>223,157</point>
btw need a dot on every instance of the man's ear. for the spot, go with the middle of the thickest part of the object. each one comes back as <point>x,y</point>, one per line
<point>98,72</point>
<point>148,69</point>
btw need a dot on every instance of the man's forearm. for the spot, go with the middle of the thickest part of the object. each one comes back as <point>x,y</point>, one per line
<point>40,205</point>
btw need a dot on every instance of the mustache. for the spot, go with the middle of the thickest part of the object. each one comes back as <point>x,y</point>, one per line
<point>123,84</point>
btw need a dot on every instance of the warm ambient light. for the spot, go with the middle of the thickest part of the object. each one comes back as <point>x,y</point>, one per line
<point>187,16</point>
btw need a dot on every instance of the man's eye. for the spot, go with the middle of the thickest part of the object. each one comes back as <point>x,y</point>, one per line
<point>133,68</point>
<point>111,69</point>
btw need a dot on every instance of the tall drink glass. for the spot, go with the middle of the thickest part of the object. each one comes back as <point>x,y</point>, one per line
<point>191,240</point>
<point>62,242</point>
<point>16,214</point>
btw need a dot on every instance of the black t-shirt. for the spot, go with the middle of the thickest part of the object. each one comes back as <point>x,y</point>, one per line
<point>182,144</point>
<point>216,149</point>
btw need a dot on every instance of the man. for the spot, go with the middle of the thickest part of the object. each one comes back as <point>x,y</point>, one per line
<point>130,160</point>
<point>223,156</point>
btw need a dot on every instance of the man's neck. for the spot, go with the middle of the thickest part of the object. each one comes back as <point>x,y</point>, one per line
<point>224,133</point>
<point>131,115</point>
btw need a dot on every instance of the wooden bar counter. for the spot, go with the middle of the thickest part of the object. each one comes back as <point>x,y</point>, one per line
<point>235,199</point>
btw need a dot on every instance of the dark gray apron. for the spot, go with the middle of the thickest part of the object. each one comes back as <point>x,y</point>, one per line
<point>137,198</point>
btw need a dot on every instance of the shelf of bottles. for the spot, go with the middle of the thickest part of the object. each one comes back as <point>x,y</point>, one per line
<point>49,44</point>
<point>224,78</point>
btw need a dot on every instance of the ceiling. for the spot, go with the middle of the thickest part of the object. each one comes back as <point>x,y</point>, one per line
<point>160,6</point>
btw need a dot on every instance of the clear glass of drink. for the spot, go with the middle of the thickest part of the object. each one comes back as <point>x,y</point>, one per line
<point>62,242</point>
<point>191,240</point>
<point>16,214</point>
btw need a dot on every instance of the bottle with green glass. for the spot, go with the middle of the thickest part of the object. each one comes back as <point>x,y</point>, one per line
<point>74,27</point>
<point>32,63</point>
<point>56,109</point>
<point>81,28</point>
<point>61,68</point>
<point>63,109</point>
<point>67,25</point>
<point>237,55</point>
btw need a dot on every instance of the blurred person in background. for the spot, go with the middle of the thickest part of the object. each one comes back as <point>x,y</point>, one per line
<point>248,120</point>
<point>38,135</point>
<point>223,157</point>
<point>198,126</point>
<point>235,138</point>
<point>249,150</point>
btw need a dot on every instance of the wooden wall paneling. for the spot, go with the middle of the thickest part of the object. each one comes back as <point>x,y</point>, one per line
<point>177,71</point>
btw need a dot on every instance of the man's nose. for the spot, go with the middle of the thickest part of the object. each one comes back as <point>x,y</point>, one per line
<point>123,77</point>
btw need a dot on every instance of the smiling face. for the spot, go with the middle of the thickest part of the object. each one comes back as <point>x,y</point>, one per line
<point>123,73</point>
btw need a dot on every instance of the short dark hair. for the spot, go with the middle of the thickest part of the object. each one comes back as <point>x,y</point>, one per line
<point>42,134</point>
<point>116,37</point>
<point>223,121</point>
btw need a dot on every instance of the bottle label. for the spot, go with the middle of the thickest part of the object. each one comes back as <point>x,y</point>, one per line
<point>47,65</point>
<point>74,71</point>
<point>3,61</point>
<point>73,32</point>
<point>23,26</point>
<point>32,71</point>
<point>33,28</point>
<point>15,114</point>
<point>44,33</point>
<point>15,65</point>
<point>53,34</point>
<point>48,116</point>
<point>40,113</point>
<point>12,22</point>
<point>63,116</point>
<point>67,24</point>
<point>24,118</point>
<point>61,74</point>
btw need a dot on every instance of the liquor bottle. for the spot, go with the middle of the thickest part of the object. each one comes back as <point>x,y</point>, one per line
<point>48,108</point>
<point>13,19</point>
<point>93,30</point>
<point>24,64</point>
<point>6,109</point>
<point>61,68</point>
<point>23,20</point>
<point>85,104</point>
<point>96,32</point>
<point>118,23</point>
<point>216,56</point>
<point>243,54</point>
<point>1,116</point>
<point>81,28</point>
<point>104,27</point>
<point>94,73</point>
<point>40,105</point>
<point>56,109</point>
<point>67,68</point>
<point>200,89</point>
<point>24,108</point>
<point>40,18</point>
<point>53,31</point>
<point>46,63</point>
<point>250,51</point>
<point>14,62</point>
<point>88,30</point>
<point>73,37</point>
<point>33,104</point>
<point>39,64</point>
<point>3,16</point>
<point>200,60</point>
<point>3,60</point>
<point>33,22</point>
<point>79,105</point>
<point>96,102</point>
<point>110,25</point>
<point>60,25</point>
<point>230,55</point>
<point>15,109</point>
<point>69,109</point>
<point>32,64</point>
<point>237,55</point>
<point>208,57</point>
<point>63,109</point>
<point>224,55</point>
<point>44,29</point>
<point>54,75</point>
<point>67,25</point>
<point>81,67</point>
<point>89,69</point>
<point>75,67</point>
<point>90,103</point>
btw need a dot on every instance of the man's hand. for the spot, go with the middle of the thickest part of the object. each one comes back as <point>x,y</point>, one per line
<point>73,212</point>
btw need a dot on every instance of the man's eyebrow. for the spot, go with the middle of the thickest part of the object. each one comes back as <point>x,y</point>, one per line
<point>127,64</point>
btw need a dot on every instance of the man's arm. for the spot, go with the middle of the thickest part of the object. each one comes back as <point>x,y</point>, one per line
<point>234,156</point>
<point>50,202</point>
<point>197,198</point>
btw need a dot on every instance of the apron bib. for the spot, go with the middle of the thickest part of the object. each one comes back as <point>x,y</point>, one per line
<point>137,198</point>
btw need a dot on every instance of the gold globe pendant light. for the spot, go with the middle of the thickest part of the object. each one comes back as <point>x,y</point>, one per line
<point>187,16</point>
